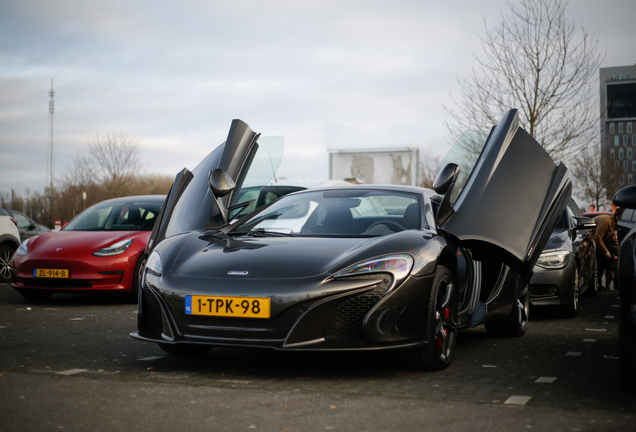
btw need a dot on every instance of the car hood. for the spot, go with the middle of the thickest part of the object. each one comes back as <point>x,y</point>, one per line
<point>558,240</point>
<point>74,242</point>
<point>220,256</point>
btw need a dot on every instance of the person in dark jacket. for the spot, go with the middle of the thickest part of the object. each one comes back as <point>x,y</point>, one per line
<point>611,263</point>
<point>605,226</point>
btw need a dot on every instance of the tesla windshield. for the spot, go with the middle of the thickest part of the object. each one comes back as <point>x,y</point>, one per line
<point>343,212</point>
<point>117,216</point>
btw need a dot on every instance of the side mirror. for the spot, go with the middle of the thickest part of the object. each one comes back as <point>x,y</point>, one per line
<point>584,222</point>
<point>445,178</point>
<point>443,185</point>
<point>220,183</point>
<point>626,197</point>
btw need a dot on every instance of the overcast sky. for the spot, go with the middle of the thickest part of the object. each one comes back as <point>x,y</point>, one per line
<point>324,74</point>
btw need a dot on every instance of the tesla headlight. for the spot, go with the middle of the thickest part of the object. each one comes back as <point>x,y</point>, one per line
<point>23,249</point>
<point>153,265</point>
<point>399,265</point>
<point>553,259</point>
<point>116,249</point>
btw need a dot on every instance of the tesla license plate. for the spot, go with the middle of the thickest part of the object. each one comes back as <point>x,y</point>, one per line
<point>238,307</point>
<point>50,273</point>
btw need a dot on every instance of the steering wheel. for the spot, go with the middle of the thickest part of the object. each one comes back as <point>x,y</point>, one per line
<point>393,226</point>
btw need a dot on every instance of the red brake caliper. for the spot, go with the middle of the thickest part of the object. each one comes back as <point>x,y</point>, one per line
<point>439,339</point>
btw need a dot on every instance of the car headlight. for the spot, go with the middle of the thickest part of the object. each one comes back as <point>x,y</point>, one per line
<point>116,249</point>
<point>153,265</point>
<point>398,265</point>
<point>23,249</point>
<point>553,259</point>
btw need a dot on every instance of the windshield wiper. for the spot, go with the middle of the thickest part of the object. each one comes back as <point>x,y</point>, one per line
<point>261,232</point>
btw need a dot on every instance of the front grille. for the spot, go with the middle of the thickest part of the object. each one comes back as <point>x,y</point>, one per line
<point>346,322</point>
<point>150,317</point>
<point>56,283</point>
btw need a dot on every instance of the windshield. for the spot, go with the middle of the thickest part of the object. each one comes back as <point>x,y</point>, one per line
<point>338,212</point>
<point>118,216</point>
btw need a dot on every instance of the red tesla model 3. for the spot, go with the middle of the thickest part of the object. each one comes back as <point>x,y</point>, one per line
<point>101,249</point>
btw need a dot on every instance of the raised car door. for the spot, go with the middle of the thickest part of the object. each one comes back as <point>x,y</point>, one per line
<point>246,157</point>
<point>507,195</point>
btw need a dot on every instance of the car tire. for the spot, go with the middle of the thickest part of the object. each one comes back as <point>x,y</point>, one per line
<point>570,309</point>
<point>133,295</point>
<point>516,323</point>
<point>6,253</point>
<point>35,295</point>
<point>185,350</point>
<point>441,324</point>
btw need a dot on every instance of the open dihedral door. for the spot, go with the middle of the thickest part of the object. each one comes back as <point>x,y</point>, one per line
<point>190,204</point>
<point>511,199</point>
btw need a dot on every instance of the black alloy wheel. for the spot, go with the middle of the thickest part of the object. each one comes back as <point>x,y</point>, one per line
<point>516,323</point>
<point>441,324</point>
<point>570,309</point>
<point>6,253</point>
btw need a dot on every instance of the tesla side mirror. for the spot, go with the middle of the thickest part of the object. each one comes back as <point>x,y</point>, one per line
<point>220,183</point>
<point>626,197</point>
<point>584,222</point>
<point>445,178</point>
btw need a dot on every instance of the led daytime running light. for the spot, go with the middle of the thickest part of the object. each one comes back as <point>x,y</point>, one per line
<point>116,249</point>
<point>154,265</point>
<point>553,259</point>
<point>23,249</point>
<point>399,265</point>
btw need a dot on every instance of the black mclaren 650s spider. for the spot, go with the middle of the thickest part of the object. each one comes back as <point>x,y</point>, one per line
<point>365,267</point>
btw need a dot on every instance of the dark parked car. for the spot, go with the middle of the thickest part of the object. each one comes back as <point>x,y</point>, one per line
<point>325,269</point>
<point>567,267</point>
<point>626,198</point>
<point>28,227</point>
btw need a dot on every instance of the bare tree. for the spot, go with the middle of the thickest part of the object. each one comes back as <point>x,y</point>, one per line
<point>428,169</point>
<point>536,62</point>
<point>115,162</point>
<point>592,179</point>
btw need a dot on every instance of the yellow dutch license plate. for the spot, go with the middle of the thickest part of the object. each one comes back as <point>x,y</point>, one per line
<point>236,307</point>
<point>51,273</point>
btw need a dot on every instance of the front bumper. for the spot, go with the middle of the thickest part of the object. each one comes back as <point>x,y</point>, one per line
<point>550,286</point>
<point>85,273</point>
<point>360,318</point>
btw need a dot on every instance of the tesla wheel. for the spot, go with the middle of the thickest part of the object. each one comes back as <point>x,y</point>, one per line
<point>441,324</point>
<point>35,294</point>
<point>626,370</point>
<point>515,324</point>
<point>570,309</point>
<point>6,252</point>
<point>133,295</point>
<point>185,349</point>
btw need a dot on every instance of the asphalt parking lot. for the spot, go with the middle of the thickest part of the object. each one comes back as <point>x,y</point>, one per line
<point>69,364</point>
